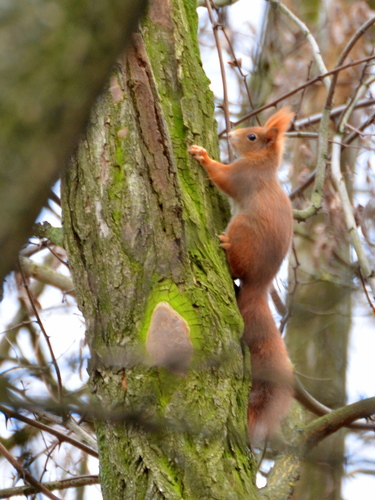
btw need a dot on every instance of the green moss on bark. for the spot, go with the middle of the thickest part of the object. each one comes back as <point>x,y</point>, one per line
<point>141,221</point>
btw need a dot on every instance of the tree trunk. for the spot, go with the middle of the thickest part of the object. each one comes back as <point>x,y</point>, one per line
<point>140,221</point>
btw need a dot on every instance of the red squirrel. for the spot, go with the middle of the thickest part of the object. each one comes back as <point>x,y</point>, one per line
<point>256,241</point>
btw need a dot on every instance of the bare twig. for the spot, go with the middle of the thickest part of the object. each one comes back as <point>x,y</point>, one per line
<point>339,183</point>
<point>278,303</point>
<point>299,190</point>
<point>17,326</point>
<point>236,64</point>
<point>315,118</point>
<point>38,425</point>
<point>46,337</point>
<point>365,290</point>
<point>368,272</point>
<point>362,88</point>
<point>297,109</point>
<point>215,27</point>
<point>344,55</point>
<point>53,197</point>
<point>351,137</point>
<point>309,37</point>
<point>217,3</point>
<point>50,245</point>
<point>73,426</point>
<point>313,405</point>
<point>47,275</point>
<point>63,484</point>
<point>311,120</point>
<point>359,132</point>
<point>291,293</point>
<point>317,192</point>
<point>25,474</point>
<point>328,424</point>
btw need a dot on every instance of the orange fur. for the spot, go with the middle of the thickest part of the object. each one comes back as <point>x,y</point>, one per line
<point>256,241</point>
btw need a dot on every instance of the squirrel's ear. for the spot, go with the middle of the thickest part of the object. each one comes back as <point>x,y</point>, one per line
<point>280,120</point>
<point>272,134</point>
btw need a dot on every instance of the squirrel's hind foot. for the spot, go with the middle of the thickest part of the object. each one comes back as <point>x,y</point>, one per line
<point>224,241</point>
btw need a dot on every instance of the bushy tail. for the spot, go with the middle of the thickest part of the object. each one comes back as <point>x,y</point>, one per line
<point>272,372</point>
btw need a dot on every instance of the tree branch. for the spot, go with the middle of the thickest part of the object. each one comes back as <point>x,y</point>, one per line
<point>324,426</point>
<point>46,337</point>
<point>47,275</point>
<point>63,484</point>
<point>215,27</point>
<point>309,37</point>
<point>316,407</point>
<point>344,55</point>
<point>25,474</point>
<point>45,230</point>
<point>304,122</point>
<point>339,182</point>
<point>38,425</point>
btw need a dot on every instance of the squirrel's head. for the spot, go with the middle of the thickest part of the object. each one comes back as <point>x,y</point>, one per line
<point>257,141</point>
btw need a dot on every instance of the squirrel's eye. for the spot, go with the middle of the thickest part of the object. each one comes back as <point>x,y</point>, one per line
<point>252,137</point>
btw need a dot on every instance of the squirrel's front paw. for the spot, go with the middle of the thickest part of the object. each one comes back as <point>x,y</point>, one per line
<point>198,153</point>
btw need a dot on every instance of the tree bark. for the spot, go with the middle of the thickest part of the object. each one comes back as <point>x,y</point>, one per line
<point>140,220</point>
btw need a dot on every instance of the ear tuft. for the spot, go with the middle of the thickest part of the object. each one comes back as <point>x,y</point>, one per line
<point>280,122</point>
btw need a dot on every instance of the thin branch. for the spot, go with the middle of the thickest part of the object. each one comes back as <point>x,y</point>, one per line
<point>25,474</point>
<point>278,303</point>
<point>339,182</point>
<point>298,107</point>
<point>63,484</point>
<point>237,64</point>
<point>45,230</point>
<point>351,137</point>
<point>73,426</point>
<point>35,310</point>
<point>291,293</point>
<point>365,290</point>
<point>309,37</point>
<point>47,275</point>
<point>53,197</point>
<point>316,407</point>
<point>315,118</point>
<point>38,425</point>
<point>359,132</point>
<point>317,192</point>
<point>49,246</point>
<point>299,190</point>
<point>19,325</point>
<point>344,55</point>
<point>217,3</point>
<point>302,135</point>
<point>324,426</point>
<point>311,120</point>
<point>361,90</point>
<point>215,27</point>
